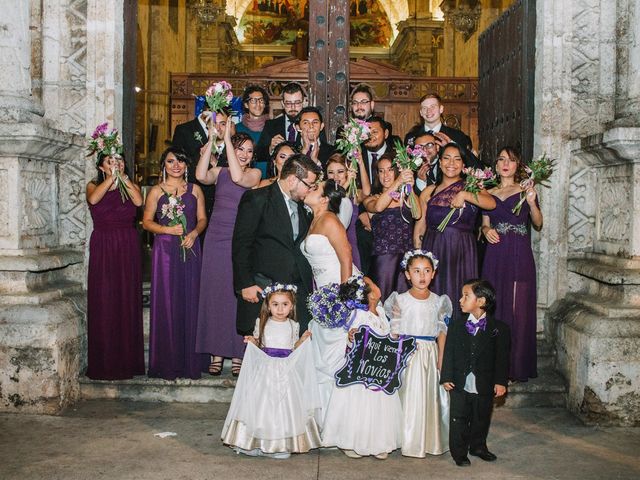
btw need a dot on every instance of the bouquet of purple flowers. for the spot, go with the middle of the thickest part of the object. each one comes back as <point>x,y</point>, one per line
<point>108,143</point>
<point>355,132</point>
<point>174,211</point>
<point>539,172</point>
<point>475,181</point>
<point>218,96</point>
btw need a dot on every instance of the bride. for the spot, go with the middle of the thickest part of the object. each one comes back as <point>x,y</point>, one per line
<point>328,251</point>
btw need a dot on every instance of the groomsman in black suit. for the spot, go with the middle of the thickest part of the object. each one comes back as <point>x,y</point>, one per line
<point>310,125</point>
<point>191,136</point>
<point>371,150</point>
<point>282,128</point>
<point>475,367</point>
<point>271,223</point>
<point>431,110</point>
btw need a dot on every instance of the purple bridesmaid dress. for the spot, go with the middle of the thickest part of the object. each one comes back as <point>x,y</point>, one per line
<point>217,313</point>
<point>175,285</point>
<point>114,292</point>
<point>510,268</point>
<point>455,248</point>
<point>351,236</point>
<point>392,237</point>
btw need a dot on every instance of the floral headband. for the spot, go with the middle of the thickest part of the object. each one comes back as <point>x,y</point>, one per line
<point>278,287</point>
<point>412,253</point>
<point>105,143</point>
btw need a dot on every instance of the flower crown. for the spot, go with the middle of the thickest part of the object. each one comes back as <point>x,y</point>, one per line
<point>358,278</point>
<point>412,253</point>
<point>278,287</point>
<point>105,143</point>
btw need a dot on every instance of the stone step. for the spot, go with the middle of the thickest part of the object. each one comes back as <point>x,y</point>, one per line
<point>548,390</point>
<point>145,389</point>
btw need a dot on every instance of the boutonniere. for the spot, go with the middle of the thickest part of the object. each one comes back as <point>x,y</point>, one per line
<point>308,209</point>
<point>198,137</point>
<point>494,332</point>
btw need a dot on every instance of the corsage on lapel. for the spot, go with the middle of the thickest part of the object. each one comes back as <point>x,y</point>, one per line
<point>494,332</point>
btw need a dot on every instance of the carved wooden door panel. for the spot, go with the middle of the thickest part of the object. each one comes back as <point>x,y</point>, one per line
<point>506,81</point>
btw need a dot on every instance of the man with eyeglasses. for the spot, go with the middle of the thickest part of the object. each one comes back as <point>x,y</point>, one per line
<point>271,223</point>
<point>282,128</point>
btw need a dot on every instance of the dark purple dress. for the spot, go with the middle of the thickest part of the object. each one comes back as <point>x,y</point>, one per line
<point>510,268</point>
<point>114,292</point>
<point>455,248</point>
<point>351,236</point>
<point>175,284</point>
<point>392,237</point>
<point>217,313</point>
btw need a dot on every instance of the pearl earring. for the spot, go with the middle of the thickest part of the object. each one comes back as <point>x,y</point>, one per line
<point>164,175</point>
<point>186,174</point>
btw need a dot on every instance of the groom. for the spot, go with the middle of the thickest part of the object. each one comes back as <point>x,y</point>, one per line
<point>271,224</point>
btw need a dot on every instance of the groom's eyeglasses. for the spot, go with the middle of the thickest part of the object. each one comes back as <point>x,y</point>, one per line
<point>310,187</point>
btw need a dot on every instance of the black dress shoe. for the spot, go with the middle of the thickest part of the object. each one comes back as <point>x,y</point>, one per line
<point>463,462</point>
<point>485,455</point>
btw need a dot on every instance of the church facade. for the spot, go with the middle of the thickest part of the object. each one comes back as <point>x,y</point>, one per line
<point>63,73</point>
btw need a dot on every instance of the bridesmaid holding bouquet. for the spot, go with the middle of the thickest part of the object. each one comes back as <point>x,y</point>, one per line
<point>175,213</point>
<point>508,262</point>
<point>114,290</point>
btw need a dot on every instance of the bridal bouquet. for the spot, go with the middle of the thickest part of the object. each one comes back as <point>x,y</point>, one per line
<point>409,158</point>
<point>218,96</point>
<point>475,181</point>
<point>329,310</point>
<point>108,143</point>
<point>539,171</point>
<point>355,132</point>
<point>174,211</point>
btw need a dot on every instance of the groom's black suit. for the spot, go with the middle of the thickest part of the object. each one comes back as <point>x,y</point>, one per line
<point>263,244</point>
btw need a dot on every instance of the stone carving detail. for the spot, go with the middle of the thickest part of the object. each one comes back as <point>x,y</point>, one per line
<point>581,215</point>
<point>72,213</point>
<point>74,69</point>
<point>37,204</point>
<point>614,210</point>
<point>4,204</point>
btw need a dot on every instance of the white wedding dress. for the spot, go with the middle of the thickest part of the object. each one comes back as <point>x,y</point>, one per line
<point>329,344</point>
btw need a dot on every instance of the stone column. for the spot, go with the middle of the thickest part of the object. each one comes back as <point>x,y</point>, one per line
<point>589,272</point>
<point>43,172</point>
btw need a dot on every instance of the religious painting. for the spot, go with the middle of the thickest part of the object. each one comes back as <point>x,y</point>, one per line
<point>278,22</point>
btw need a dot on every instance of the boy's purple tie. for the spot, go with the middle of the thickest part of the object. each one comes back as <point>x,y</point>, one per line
<point>291,134</point>
<point>471,327</point>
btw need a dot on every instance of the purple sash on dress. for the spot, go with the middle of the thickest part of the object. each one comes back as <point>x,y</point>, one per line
<point>277,352</point>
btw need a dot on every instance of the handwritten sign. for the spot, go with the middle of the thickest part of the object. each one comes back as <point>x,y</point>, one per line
<point>375,362</point>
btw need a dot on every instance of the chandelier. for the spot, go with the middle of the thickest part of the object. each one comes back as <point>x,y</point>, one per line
<point>464,15</point>
<point>207,11</point>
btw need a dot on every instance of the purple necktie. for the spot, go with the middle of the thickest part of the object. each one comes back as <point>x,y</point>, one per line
<point>374,161</point>
<point>291,134</point>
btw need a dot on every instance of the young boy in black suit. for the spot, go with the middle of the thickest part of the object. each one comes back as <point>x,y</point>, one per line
<point>474,369</point>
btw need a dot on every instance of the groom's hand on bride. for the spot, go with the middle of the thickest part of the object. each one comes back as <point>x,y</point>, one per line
<point>251,294</point>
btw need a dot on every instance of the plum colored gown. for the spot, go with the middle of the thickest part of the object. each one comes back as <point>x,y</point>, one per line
<point>114,292</point>
<point>174,300</point>
<point>510,268</point>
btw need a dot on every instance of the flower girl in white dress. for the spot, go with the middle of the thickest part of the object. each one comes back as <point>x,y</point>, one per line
<point>423,315</point>
<point>359,420</point>
<point>275,403</point>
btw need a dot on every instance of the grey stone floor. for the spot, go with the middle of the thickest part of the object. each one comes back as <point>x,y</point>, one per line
<point>114,439</point>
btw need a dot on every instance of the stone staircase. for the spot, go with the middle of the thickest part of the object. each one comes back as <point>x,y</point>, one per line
<point>548,390</point>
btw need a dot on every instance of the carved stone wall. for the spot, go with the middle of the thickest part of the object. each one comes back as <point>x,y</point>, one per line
<point>57,84</point>
<point>589,278</point>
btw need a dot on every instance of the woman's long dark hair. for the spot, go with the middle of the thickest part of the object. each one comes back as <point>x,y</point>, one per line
<point>514,155</point>
<point>335,193</point>
<point>439,175</point>
<point>101,177</point>
<point>179,153</point>
<point>273,171</point>
<point>377,186</point>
